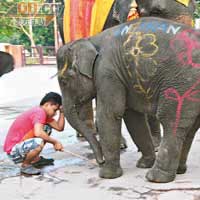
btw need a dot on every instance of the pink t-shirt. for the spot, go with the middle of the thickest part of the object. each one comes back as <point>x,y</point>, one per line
<point>22,125</point>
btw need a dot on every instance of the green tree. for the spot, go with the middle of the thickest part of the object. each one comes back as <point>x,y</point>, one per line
<point>14,31</point>
<point>197,11</point>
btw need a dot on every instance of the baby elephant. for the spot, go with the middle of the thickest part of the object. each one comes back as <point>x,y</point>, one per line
<point>147,66</point>
<point>6,63</point>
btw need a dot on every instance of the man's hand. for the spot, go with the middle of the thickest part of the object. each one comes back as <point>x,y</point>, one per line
<point>61,109</point>
<point>60,123</point>
<point>58,146</point>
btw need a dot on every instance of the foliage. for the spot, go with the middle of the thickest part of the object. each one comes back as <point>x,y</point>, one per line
<point>197,11</point>
<point>45,35</point>
<point>15,33</point>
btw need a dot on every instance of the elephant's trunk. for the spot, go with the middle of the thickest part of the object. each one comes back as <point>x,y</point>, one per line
<point>73,118</point>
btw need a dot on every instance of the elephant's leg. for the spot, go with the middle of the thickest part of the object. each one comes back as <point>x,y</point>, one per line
<point>86,115</point>
<point>110,109</point>
<point>154,125</point>
<point>176,128</point>
<point>186,147</point>
<point>123,144</point>
<point>138,128</point>
<point>167,160</point>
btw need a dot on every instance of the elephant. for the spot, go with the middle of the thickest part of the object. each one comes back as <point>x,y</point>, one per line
<point>6,63</point>
<point>145,66</point>
<point>118,11</point>
<point>170,9</point>
<point>118,14</point>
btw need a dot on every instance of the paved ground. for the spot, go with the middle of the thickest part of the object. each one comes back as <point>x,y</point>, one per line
<point>75,174</point>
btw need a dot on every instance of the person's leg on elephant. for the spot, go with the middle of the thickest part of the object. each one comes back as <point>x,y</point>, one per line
<point>175,10</point>
<point>138,128</point>
<point>154,125</point>
<point>186,146</point>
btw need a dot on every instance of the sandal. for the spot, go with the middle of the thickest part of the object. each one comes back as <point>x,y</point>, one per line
<point>30,170</point>
<point>43,162</point>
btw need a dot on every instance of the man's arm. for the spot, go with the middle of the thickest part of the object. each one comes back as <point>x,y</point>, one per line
<point>39,132</point>
<point>60,123</point>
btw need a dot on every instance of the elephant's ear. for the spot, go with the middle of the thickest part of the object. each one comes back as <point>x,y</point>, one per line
<point>85,58</point>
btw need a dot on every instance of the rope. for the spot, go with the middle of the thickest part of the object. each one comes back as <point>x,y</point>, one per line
<point>81,157</point>
<point>54,75</point>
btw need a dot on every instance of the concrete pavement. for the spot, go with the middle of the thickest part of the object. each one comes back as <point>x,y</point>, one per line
<point>72,177</point>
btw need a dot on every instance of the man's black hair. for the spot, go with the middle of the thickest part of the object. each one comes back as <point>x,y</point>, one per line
<point>52,97</point>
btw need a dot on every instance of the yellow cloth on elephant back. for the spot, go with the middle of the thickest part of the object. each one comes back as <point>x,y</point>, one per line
<point>185,2</point>
<point>84,18</point>
<point>99,15</point>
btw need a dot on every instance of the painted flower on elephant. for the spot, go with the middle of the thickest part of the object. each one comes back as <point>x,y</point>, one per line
<point>141,49</point>
<point>187,47</point>
<point>190,95</point>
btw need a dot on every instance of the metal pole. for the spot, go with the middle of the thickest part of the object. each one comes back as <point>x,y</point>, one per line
<point>55,27</point>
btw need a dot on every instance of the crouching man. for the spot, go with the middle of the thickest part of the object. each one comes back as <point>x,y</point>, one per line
<point>31,130</point>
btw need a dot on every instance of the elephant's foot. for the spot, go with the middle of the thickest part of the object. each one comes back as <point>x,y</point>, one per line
<point>181,169</point>
<point>145,162</point>
<point>159,176</point>
<point>110,172</point>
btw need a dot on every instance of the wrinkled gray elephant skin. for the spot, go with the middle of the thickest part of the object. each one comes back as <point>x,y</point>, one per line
<point>118,14</point>
<point>6,63</point>
<point>147,66</point>
<point>170,9</point>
